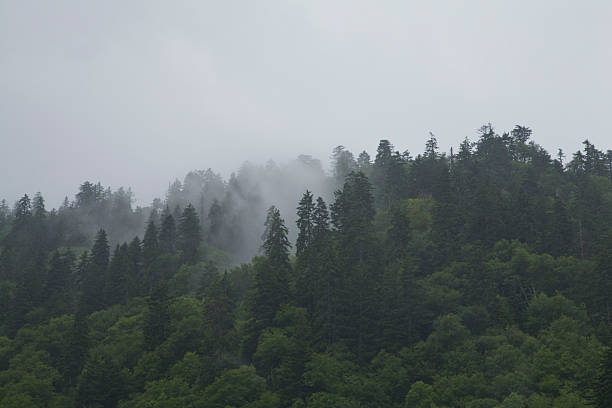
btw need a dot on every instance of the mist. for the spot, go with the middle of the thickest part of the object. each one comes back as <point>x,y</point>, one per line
<point>133,93</point>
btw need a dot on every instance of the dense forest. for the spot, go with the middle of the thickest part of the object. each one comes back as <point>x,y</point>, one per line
<point>476,278</point>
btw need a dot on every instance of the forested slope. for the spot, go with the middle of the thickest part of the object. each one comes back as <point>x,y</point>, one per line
<point>477,278</point>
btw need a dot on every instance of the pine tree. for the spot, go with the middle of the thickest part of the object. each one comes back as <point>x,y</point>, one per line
<point>276,244</point>
<point>304,272</point>
<point>364,161</point>
<point>320,219</point>
<point>23,210</point>
<point>38,206</point>
<point>352,215</point>
<point>58,288</point>
<point>167,234</point>
<point>5,214</point>
<point>305,213</point>
<point>116,282</point>
<point>135,274</point>
<point>217,223</point>
<point>100,252</point>
<point>343,163</point>
<point>380,172</point>
<point>189,234</point>
<point>272,273</point>
<point>95,273</point>
<point>150,252</point>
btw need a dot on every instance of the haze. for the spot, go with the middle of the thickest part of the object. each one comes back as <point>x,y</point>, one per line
<point>135,93</point>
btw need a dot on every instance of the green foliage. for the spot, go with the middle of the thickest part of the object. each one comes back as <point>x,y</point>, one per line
<point>479,279</point>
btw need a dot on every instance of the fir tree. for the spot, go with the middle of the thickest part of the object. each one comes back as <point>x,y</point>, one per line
<point>272,273</point>
<point>189,234</point>
<point>94,278</point>
<point>305,213</point>
<point>116,284</point>
<point>167,233</point>
<point>135,276</point>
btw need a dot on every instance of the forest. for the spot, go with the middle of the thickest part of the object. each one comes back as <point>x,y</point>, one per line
<point>475,278</point>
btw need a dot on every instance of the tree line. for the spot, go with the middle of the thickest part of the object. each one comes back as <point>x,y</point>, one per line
<point>477,278</point>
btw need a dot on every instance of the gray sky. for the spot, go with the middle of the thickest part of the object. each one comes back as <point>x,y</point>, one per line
<point>137,93</point>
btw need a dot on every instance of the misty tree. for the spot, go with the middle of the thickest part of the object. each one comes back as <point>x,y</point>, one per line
<point>150,243</point>
<point>38,206</point>
<point>305,225</point>
<point>167,233</point>
<point>188,239</point>
<point>94,276</point>
<point>272,274</point>
<point>364,161</point>
<point>116,283</point>
<point>343,162</point>
<point>23,209</point>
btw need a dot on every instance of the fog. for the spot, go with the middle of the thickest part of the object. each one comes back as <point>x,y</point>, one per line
<point>137,94</point>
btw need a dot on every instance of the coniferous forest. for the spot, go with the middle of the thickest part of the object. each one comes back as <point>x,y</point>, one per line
<point>475,278</point>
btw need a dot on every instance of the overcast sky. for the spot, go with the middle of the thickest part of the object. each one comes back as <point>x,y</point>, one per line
<point>136,93</point>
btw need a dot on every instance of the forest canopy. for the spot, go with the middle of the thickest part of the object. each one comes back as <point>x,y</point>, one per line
<point>475,278</point>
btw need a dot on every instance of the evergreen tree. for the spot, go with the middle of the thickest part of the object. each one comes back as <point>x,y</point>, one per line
<point>217,223</point>
<point>23,210</point>
<point>5,214</point>
<point>150,243</point>
<point>272,273</point>
<point>38,206</point>
<point>167,233</point>
<point>364,162</point>
<point>58,288</point>
<point>135,274</point>
<point>305,224</point>
<point>320,219</point>
<point>94,278</point>
<point>116,283</point>
<point>352,215</point>
<point>100,252</point>
<point>276,244</point>
<point>189,234</point>
<point>343,163</point>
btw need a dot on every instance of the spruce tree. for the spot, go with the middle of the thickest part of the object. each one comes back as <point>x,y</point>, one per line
<point>167,233</point>
<point>305,213</point>
<point>58,288</point>
<point>116,283</point>
<point>150,243</point>
<point>352,215</point>
<point>272,274</point>
<point>217,223</point>
<point>23,210</point>
<point>276,244</point>
<point>135,273</point>
<point>100,252</point>
<point>95,274</point>
<point>188,240</point>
